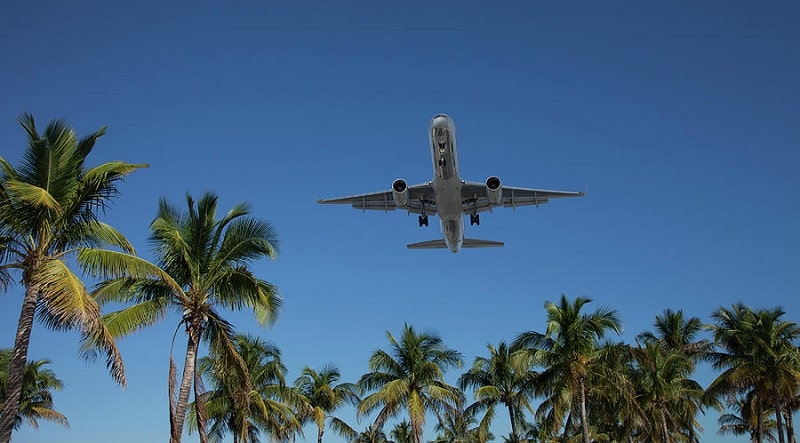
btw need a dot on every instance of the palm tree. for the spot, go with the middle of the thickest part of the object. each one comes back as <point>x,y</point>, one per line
<point>745,422</point>
<point>410,376</point>
<point>246,403</point>
<point>36,402</point>
<point>401,432</point>
<point>669,399</point>
<point>502,378</point>
<point>204,263</point>
<point>373,434</point>
<point>48,211</point>
<point>568,351</point>
<point>456,427</point>
<point>323,396</point>
<point>674,331</point>
<point>757,351</point>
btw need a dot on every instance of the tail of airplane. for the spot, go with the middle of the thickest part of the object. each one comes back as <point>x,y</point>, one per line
<point>468,243</point>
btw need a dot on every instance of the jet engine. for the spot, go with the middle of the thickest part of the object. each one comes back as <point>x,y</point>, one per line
<point>494,190</point>
<point>400,193</point>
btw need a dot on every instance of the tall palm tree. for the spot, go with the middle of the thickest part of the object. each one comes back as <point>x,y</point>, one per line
<point>502,378</point>
<point>410,376</point>
<point>323,396</point>
<point>568,352</point>
<point>36,402</point>
<point>48,211</point>
<point>245,408</point>
<point>669,399</point>
<point>203,264</point>
<point>674,331</point>
<point>757,351</point>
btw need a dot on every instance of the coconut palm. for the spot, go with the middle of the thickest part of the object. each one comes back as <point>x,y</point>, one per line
<point>745,422</point>
<point>668,398</point>
<point>372,434</point>
<point>456,426</point>
<point>48,211</point>
<point>245,408</point>
<point>674,331</point>
<point>36,402</point>
<point>203,264</point>
<point>401,432</point>
<point>504,378</point>
<point>410,376</point>
<point>323,396</point>
<point>757,352</point>
<point>568,351</point>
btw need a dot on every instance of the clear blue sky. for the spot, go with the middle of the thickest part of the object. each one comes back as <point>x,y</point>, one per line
<point>683,117</point>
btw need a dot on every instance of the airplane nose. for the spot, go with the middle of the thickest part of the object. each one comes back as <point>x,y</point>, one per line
<point>440,120</point>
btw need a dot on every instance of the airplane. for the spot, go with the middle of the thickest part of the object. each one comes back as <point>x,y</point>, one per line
<point>448,195</point>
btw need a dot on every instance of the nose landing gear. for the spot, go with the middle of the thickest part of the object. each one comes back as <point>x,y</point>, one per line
<point>475,219</point>
<point>423,220</point>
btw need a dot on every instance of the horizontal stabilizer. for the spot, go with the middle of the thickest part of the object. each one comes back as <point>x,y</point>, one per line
<point>430,244</point>
<point>473,243</point>
<point>468,243</point>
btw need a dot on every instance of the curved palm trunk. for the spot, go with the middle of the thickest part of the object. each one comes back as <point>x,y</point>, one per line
<point>16,367</point>
<point>320,431</point>
<point>584,419</point>
<point>178,418</point>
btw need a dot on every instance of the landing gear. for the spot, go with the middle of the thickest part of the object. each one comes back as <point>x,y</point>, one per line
<point>423,220</point>
<point>475,219</point>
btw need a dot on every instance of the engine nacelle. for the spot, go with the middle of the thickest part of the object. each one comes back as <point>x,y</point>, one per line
<point>494,190</point>
<point>400,193</point>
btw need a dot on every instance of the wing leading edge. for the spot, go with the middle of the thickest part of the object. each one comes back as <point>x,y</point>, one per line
<point>421,200</point>
<point>474,198</point>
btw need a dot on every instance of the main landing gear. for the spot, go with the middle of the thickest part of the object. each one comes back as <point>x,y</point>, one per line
<point>475,219</point>
<point>423,220</point>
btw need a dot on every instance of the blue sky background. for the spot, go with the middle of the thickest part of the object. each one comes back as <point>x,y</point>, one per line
<point>683,118</point>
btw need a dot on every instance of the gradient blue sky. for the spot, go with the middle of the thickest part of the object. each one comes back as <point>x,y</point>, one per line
<point>683,117</point>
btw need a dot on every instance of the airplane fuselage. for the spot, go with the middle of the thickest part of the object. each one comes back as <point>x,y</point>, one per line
<point>446,181</point>
<point>448,196</point>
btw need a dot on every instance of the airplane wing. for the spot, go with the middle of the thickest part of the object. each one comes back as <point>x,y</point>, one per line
<point>474,199</point>
<point>419,197</point>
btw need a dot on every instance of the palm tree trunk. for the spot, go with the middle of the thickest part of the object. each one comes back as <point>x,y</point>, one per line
<point>776,403</point>
<point>177,421</point>
<point>664,428</point>
<point>200,406</point>
<point>16,367</point>
<point>584,419</point>
<point>513,418</point>
<point>760,421</point>
<point>787,414</point>
<point>320,431</point>
<point>416,429</point>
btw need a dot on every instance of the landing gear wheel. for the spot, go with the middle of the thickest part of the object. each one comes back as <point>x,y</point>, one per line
<point>475,219</point>
<point>423,220</point>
